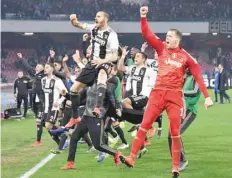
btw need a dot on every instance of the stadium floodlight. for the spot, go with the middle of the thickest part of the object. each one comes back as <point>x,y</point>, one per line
<point>28,33</point>
<point>214,34</point>
<point>186,34</point>
<point>228,36</point>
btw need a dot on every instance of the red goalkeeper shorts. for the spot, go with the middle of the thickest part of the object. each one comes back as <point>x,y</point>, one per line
<point>160,100</point>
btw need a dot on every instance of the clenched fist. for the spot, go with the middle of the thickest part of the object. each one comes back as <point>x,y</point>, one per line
<point>73,17</point>
<point>20,55</point>
<point>143,11</point>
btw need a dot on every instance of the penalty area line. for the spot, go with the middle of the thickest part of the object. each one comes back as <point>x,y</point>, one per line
<point>38,166</point>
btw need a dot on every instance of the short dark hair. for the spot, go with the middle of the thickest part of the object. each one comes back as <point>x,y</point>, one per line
<point>143,55</point>
<point>178,33</point>
<point>105,14</point>
<point>51,65</point>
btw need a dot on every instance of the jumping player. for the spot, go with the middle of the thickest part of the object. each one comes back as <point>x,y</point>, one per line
<point>167,92</point>
<point>104,44</point>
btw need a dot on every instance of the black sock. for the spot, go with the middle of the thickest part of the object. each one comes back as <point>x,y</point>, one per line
<point>67,116</point>
<point>75,98</point>
<point>39,132</point>
<point>114,134</point>
<point>121,134</point>
<point>170,143</point>
<point>101,89</point>
<point>182,156</point>
<point>62,141</point>
<point>55,138</point>
<point>87,139</point>
<point>159,121</point>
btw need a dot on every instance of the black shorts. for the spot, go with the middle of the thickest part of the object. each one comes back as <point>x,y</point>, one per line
<point>51,116</point>
<point>138,101</point>
<point>89,73</point>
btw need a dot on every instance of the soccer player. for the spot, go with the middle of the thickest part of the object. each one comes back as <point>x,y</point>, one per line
<point>140,81</point>
<point>38,106</point>
<point>192,97</point>
<point>95,127</point>
<point>104,44</point>
<point>52,87</point>
<point>167,92</point>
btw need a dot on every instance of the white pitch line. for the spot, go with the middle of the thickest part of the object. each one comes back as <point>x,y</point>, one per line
<point>38,166</point>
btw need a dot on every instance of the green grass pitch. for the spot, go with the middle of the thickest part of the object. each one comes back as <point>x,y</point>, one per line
<point>208,145</point>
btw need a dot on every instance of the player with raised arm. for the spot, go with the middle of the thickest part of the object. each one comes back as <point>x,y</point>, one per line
<point>104,45</point>
<point>167,93</point>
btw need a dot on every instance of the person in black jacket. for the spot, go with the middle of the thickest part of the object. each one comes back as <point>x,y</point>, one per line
<point>38,95</point>
<point>223,84</point>
<point>21,86</point>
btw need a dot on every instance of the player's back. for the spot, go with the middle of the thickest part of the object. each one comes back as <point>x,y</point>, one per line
<point>171,69</point>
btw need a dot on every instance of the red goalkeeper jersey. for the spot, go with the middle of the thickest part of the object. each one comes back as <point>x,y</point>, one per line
<point>172,63</point>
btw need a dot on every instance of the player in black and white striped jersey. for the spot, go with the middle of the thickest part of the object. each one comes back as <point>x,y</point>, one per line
<point>140,81</point>
<point>104,45</point>
<point>52,87</point>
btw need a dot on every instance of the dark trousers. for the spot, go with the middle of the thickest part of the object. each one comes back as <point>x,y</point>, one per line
<point>23,98</point>
<point>190,117</point>
<point>95,127</point>
<point>223,94</point>
<point>216,96</point>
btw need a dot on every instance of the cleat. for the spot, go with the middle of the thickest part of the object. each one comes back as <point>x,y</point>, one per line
<point>133,128</point>
<point>56,151</point>
<point>142,153</point>
<point>69,165</point>
<point>159,133</point>
<point>123,146</point>
<point>151,132</point>
<point>147,143</point>
<point>117,160</point>
<point>101,157</point>
<point>175,174</point>
<point>91,149</point>
<point>72,122</point>
<point>183,165</point>
<point>36,144</point>
<point>96,112</point>
<point>128,161</point>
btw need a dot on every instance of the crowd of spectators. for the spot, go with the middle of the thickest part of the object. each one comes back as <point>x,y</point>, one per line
<point>124,10</point>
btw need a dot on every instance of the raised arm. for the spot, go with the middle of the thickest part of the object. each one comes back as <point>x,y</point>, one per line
<point>121,62</point>
<point>149,36</point>
<point>77,24</point>
<point>26,66</point>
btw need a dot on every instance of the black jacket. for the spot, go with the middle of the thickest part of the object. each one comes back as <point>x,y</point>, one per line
<point>37,85</point>
<point>223,80</point>
<point>22,85</point>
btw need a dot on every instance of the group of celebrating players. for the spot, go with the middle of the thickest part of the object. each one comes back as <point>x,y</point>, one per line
<point>94,103</point>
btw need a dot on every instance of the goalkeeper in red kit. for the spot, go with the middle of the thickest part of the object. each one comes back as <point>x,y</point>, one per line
<point>167,92</point>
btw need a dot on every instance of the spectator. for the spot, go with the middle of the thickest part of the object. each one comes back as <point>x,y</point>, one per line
<point>223,84</point>
<point>21,86</point>
<point>216,83</point>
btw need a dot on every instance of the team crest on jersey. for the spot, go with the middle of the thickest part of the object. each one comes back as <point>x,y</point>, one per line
<point>106,36</point>
<point>173,63</point>
<point>174,55</point>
